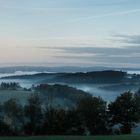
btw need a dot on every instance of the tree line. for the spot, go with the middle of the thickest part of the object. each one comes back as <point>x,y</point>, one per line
<point>9,86</point>
<point>90,116</point>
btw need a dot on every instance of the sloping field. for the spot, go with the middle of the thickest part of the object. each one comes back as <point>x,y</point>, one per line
<point>22,96</point>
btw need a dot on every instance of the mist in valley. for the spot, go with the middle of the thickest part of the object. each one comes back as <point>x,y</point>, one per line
<point>107,91</point>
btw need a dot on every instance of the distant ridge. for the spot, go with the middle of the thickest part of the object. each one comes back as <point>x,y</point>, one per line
<point>67,69</point>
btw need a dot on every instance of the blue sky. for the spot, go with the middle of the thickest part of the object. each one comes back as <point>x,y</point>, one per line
<point>70,32</point>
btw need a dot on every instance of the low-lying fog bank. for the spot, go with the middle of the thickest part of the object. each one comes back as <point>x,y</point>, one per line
<point>107,84</point>
<point>101,90</point>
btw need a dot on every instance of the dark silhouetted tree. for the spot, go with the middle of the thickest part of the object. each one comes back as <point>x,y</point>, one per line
<point>93,115</point>
<point>123,111</point>
<point>137,101</point>
<point>13,115</point>
<point>33,114</point>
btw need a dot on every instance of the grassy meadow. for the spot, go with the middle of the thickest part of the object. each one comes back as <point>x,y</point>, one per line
<point>120,137</point>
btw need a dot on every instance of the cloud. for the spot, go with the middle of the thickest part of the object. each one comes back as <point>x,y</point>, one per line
<point>126,53</point>
<point>95,50</point>
<point>119,56</point>
<point>129,39</point>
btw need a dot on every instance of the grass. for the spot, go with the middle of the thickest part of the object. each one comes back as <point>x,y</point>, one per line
<point>121,137</point>
<point>8,94</point>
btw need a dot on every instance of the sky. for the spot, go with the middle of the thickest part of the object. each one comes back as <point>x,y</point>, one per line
<point>70,33</point>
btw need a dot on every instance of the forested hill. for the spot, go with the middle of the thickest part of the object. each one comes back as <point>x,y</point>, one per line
<point>87,77</point>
